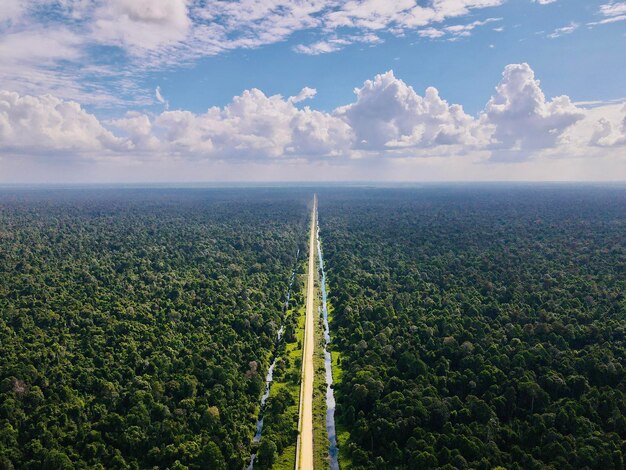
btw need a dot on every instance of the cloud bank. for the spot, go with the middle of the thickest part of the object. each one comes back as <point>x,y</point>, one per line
<point>387,120</point>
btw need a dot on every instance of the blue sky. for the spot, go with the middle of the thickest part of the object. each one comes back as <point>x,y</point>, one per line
<point>585,64</point>
<point>212,90</point>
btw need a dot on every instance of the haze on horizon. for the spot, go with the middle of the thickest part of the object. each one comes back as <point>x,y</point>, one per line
<point>276,90</point>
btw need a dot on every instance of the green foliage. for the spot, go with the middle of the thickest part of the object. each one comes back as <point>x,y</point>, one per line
<point>280,416</point>
<point>479,327</point>
<point>267,453</point>
<point>135,326</point>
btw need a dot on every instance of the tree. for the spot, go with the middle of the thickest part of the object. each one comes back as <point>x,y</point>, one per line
<point>211,457</point>
<point>267,453</point>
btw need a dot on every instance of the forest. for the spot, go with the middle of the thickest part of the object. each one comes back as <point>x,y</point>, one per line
<point>472,326</point>
<point>479,327</point>
<point>136,326</point>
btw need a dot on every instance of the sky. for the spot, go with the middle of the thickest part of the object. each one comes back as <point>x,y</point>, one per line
<point>132,91</point>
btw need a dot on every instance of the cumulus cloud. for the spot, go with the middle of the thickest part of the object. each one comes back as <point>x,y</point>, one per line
<point>387,118</point>
<point>520,116</point>
<point>610,131</point>
<point>252,126</point>
<point>49,124</point>
<point>390,114</point>
<point>139,131</point>
<point>317,133</point>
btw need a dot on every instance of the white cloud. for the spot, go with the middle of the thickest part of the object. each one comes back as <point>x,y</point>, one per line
<point>455,32</point>
<point>305,94</point>
<point>141,25</point>
<point>52,59</point>
<point>153,28</point>
<point>29,61</point>
<point>151,34</point>
<point>393,17</point>
<point>612,19</point>
<point>367,14</point>
<point>317,133</point>
<point>224,25</point>
<point>465,29</point>
<point>159,97</point>
<point>613,9</point>
<point>28,46</point>
<point>451,8</point>
<point>390,114</point>
<point>47,124</point>
<point>11,10</point>
<point>335,43</point>
<point>253,126</point>
<point>613,12</point>
<point>609,128</point>
<point>558,32</point>
<point>522,119</point>
<point>139,131</point>
<point>247,24</point>
<point>322,47</point>
<point>387,119</point>
<point>544,2</point>
<point>431,33</point>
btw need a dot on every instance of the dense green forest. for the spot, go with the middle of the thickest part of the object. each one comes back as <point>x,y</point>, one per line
<point>479,327</point>
<point>472,327</point>
<point>277,449</point>
<point>136,326</point>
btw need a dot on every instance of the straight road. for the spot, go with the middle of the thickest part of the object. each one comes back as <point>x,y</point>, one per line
<point>304,459</point>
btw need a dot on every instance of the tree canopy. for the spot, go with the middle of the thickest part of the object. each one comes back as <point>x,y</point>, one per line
<point>136,326</point>
<point>479,327</point>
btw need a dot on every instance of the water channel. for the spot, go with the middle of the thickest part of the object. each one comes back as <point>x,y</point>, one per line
<point>333,450</point>
<point>270,372</point>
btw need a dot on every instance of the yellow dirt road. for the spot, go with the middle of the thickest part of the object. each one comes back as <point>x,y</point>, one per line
<point>305,438</point>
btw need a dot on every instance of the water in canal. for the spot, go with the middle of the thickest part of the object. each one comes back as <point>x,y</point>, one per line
<point>270,372</point>
<point>333,450</point>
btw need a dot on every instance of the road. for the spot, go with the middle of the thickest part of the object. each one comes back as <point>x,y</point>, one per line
<point>304,460</point>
